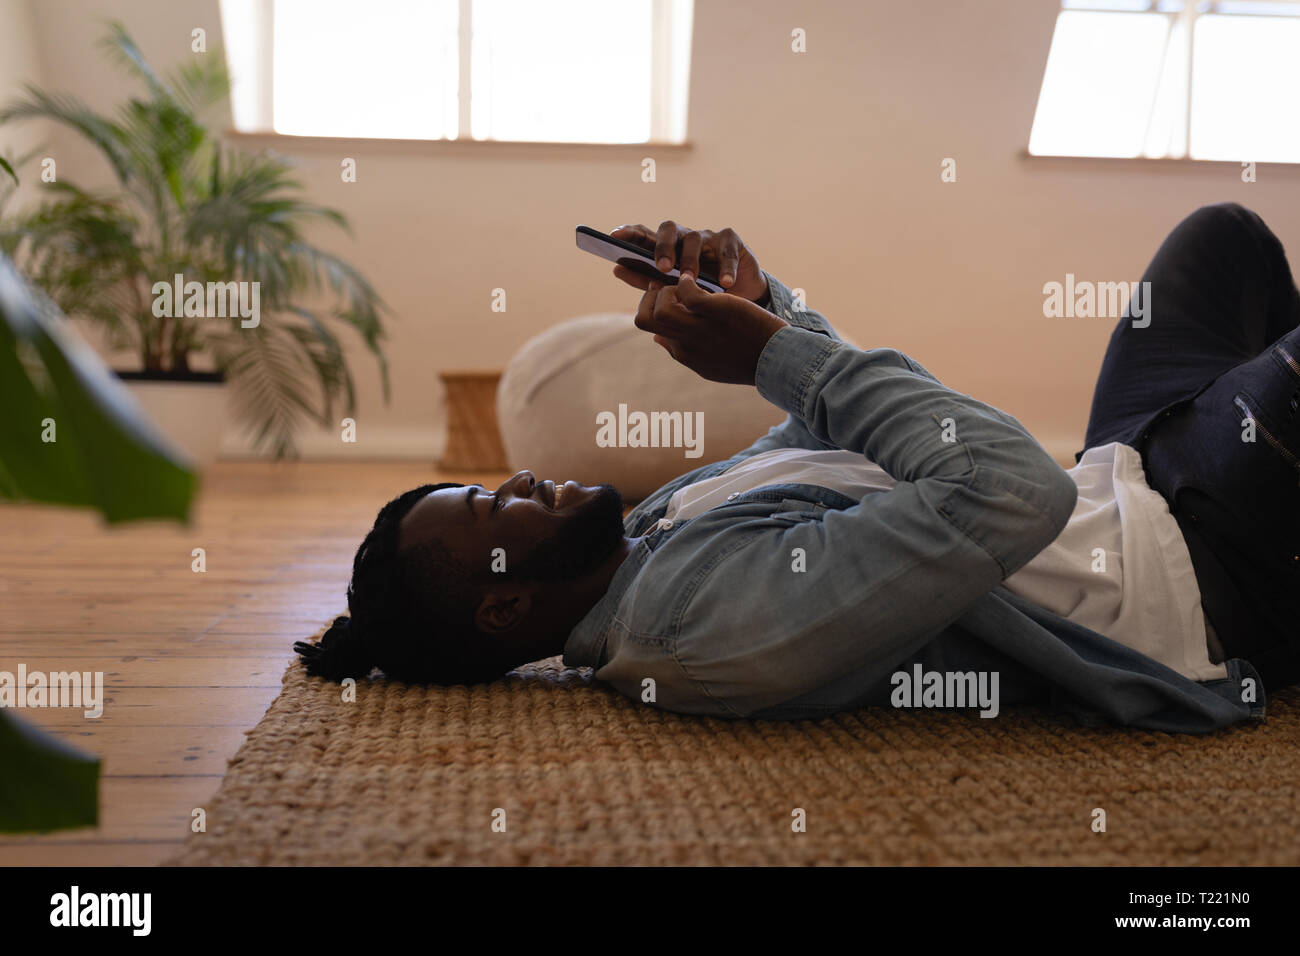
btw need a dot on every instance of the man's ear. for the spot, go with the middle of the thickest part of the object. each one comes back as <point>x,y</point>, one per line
<point>502,611</point>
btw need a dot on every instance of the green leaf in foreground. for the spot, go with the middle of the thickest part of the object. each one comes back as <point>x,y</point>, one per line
<point>106,455</point>
<point>46,785</point>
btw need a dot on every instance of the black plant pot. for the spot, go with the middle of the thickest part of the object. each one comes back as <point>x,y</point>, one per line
<point>198,378</point>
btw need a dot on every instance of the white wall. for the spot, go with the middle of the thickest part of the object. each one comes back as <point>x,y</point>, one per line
<point>19,63</point>
<point>827,162</point>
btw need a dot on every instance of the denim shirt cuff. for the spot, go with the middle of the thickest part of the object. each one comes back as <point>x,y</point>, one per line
<point>789,364</point>
<point>782,301</point>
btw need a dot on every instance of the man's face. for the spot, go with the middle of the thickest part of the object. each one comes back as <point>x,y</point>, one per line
<point>546,532</point>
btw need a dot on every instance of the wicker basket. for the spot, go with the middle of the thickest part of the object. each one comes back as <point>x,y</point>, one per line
<point>473,438</point>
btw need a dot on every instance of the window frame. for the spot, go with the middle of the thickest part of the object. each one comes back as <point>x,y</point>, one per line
<point>670,81</point>
<point>1179,150</point>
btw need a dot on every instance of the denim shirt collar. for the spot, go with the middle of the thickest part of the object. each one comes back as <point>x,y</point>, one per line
<point>586,643</point>
<point>640,521</point>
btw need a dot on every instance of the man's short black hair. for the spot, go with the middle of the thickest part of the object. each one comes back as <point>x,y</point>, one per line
<point>410,612</point>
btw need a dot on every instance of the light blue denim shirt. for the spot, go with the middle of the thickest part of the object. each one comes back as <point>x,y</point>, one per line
<point>714,612</point>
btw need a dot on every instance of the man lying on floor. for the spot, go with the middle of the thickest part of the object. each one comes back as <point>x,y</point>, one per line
<point>892,527</point>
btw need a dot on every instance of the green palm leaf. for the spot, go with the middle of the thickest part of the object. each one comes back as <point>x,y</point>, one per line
<point>186,204</point>
<point>72,112</point>
<point>264,384</point>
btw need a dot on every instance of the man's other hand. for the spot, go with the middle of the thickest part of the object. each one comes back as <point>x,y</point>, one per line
<point>721,253</point>
<point>717,335</point>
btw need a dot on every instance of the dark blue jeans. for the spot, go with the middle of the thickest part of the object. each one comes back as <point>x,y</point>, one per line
<point>1218,365</point>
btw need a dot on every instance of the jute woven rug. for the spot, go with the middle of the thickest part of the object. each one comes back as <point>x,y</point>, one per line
<point>549,767</point>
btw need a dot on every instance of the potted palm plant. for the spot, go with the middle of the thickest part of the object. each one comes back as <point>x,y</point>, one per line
<point>196,262</point>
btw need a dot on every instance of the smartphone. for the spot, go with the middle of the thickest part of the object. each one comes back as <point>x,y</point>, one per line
<point>635,258</point>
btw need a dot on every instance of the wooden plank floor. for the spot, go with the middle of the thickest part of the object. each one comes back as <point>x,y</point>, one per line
<point>190,661</point>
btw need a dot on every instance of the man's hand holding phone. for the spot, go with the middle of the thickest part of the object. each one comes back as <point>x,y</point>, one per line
<point>693,251</point>
<point>717,335</point>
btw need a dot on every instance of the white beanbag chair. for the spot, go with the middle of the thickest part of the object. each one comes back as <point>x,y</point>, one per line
<point>595,400</point>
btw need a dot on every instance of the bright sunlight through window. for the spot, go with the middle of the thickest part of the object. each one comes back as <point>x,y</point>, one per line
<point>587,71</point>
<point>381,69</point>
<point>1167,78</point>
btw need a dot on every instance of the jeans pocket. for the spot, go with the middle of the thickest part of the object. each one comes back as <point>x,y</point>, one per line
<point>1291,364</point>
<point>1265,426</point>
<point>1283,355</point>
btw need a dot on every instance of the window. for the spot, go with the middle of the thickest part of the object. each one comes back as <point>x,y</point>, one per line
<point>1168,78</point>
<point>524,70</point>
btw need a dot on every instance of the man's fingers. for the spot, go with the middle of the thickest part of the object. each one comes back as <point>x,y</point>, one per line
<point>690,296</point>
<point>689,261</point>
<point>676,246</point>
<point>637,234</point>
<point>669,316</point>
<point>645,309</point>
<point>659,312</point>
<point>666,245</point>
<point>633,278</point>
<point>728,256</point>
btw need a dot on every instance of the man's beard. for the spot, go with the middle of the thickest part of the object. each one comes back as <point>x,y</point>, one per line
<point>589,537</point>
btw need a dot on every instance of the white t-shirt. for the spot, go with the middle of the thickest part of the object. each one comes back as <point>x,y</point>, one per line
<point>1120,567</point>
